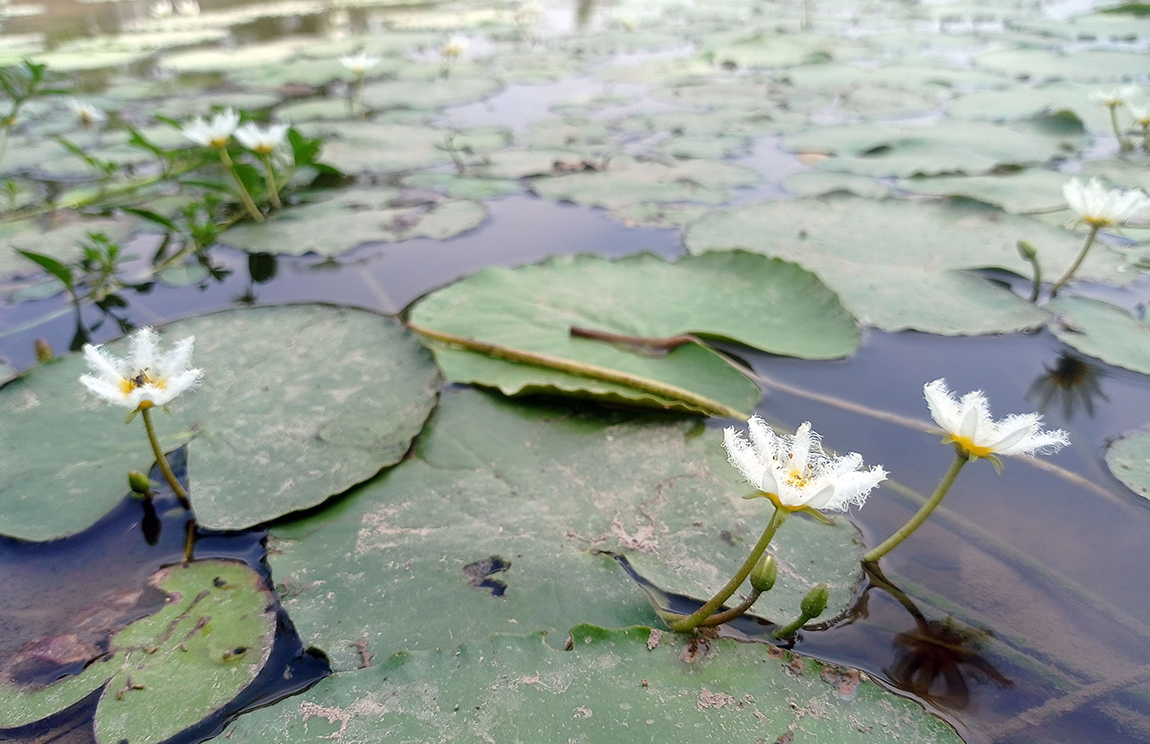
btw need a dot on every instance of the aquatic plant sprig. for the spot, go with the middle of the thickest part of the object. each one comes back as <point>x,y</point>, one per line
<point>216,133</point>
<point>20,83</point>
<point>359,64</point>
<point>263,142</point>
<point>1099,206</point>
<point>966,423</point>
<point>794,474</point>
<point>146,379</point>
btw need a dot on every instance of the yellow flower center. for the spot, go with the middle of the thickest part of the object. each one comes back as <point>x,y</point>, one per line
<point>220,141</point>
<point>128,384</point>
<point>796,479</point>
<point>264,149</point>
<point>967,445</point>
<point>1098,221</point>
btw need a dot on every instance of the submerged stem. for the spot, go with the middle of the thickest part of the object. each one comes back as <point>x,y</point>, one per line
<point>924,511</point>
<point>162,460</point>
<point>644,384</point>
<point>1077,262</point>
<point>249,204</point>
<point>697,618</point>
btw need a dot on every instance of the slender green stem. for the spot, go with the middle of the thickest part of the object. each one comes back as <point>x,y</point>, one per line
<point>1122,141</point>
<point>728,615</point>
<point>1077,262</point>
<point>636,382</point>
<point>924,511</point>
<point>190,541</point>
<point>270,180</point>
<point>1030,254</point>
<point>4,142</point>
<point>1146,137</point>
<point>789,629</point>
<point>250,205</point>
<point>696,618</point>
<point>360,100</point>
<point>162,460</point>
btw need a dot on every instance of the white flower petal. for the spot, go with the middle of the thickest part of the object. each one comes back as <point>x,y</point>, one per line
<point>972,427</point>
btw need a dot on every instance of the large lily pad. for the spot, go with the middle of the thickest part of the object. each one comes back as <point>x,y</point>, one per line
<point>771,305</point>
<point>1102,331</point>
<point>1018,192</point>
<point>205,646</point>
<point>518,500</point>
<point>627,181</point>
<point>898,264</point>
<point>624,685</point>
<point>359,147</point>
<point>971,147</point>
<point>298,403</point>
<point>1093,65</point>
<point>353,217</point>
<point>61,238</point>
<point>428,94</point>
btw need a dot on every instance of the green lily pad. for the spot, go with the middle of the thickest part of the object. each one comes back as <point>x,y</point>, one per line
<point>776,50</point>
<point>354,217</point>
<point>187,651</point>
<point>359,147</point>
<point>527,496</point>
<point>1129,460</point>
<point>1102,331</point>
<point>313,72</point>
<point>926,77</point>
<point>1018,192</point>
<point>612,686</point>
<point>463,187</point>
<point>298,403</point>
<point>512,164</point>
<point>971,147</point>
<point>1023,101</point>
<point>1090,65</point>
<point>314,109</point>
<point>428,94</point>
<point>898,264</point>
<point>60,239</point>
<point>820,183</point>
<point>227,60</point>
<point>770,305</point>
<point>627,181</point>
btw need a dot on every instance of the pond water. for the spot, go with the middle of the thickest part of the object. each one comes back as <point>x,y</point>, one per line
<point>1017,613</point>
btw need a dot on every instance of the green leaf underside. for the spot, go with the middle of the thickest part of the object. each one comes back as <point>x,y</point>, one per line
<point>898,264</point>
<point>768,304</point>
<point>297,403</point>
<point>615,685</point>
<point>544,488</point>
<point>184,652</point>
<point>1102,331</point>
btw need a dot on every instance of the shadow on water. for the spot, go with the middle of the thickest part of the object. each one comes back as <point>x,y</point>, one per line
<point>98,583</point>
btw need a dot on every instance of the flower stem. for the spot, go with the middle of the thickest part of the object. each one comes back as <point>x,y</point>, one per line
<point>4,142</point>
<point>1122,142</point>
<point>243,191</point>
<point>360,101</point>
<point>728,615</point>
<point>706,611</point>
<point>162,460</point>
<point>270,180</point>
<point>520,356</point>
<point>924,511</point>
<point>1077,262</point>
<point>790,628</point>
<point>190,541</point>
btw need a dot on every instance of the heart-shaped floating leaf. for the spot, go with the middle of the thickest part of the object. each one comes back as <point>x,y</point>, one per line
<point>612,686</point>
<point>1103,331</point>
<point>298,403</point>
<point>897,264</point>
<point>205,646</point>
<point>1129,460</point>
<point>768,304</point>
<point>518,500</point>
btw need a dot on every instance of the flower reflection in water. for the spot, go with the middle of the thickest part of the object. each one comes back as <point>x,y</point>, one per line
<point>935,659</point>
<point>1072,381</point>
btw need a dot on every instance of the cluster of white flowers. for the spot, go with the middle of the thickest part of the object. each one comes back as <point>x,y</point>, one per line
<point>214,132</point>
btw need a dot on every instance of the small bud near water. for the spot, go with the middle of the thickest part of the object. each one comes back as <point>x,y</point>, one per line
<point>139,482</point>
<point>816,601</point>
<point>43,349</point>
<point>764,573</point>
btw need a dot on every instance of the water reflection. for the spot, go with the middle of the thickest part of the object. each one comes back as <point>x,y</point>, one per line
<point>936,659</point>
<point>1072,382</point>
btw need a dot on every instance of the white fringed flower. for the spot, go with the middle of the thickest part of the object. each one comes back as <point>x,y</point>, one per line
<point>88,114</point>
<point>1101,206</point>
<point>795,473</point>
<point>261,141</point>
<point>213,133</point>
<point>1140,114</point>
<point>147,378</point>
<point>187,8</point>
<point>359,63</point>
<point>969,427</point>
<point>1116,96</point>
<point>455,47</point>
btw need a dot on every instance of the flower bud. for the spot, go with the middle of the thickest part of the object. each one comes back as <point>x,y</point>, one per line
<point>764,573</point>
<point>816,600</point>
<point>1027,251</point>
<point>43,349</point>
<point>139,482</point>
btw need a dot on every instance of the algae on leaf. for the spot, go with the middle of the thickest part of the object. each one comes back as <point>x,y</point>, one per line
<point>298,403</point>
<point>612,686</point>
<point>543,489</point>
<point>204,647</point>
